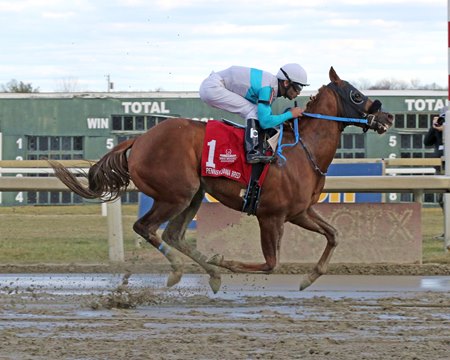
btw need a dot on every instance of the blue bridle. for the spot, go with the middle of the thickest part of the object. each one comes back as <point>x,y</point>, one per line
<point>298,139</point>
<point>357,103</point>
<point>337,118</point>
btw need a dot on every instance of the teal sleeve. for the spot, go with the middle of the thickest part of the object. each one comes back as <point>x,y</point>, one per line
<point>265,95</point>
<point>268,120</point>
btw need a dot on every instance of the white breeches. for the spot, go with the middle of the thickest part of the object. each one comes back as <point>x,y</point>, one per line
<point>213,92</point>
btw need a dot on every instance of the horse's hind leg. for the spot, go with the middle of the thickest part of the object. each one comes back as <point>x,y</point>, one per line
<point>310,220</point>
<point>174,234</point>
<point>147,227</point>
<point>271,231</point>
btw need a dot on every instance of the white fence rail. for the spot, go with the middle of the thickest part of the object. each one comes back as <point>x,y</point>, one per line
<point>416,184</point>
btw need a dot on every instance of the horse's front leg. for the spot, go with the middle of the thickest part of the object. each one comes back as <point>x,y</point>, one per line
<point>271,231</point>
<point>311,220</point>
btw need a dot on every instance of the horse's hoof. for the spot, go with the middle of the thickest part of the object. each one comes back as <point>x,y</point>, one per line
<point>305,283</point>
<point>174,278</point>
<point>215,260</point>
<point>215,282</point>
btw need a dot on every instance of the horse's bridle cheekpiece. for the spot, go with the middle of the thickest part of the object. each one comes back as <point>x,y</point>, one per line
<point>352,103</point>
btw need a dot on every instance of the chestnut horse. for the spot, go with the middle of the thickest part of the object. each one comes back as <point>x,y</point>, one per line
<point>164,163</point>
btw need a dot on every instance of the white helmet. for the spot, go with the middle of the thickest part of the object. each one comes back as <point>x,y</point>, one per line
<point>294,73</point>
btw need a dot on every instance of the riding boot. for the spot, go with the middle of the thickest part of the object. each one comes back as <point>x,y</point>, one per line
<point>253,147</point>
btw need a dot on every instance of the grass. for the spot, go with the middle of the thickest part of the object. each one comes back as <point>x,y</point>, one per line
<point>78,234</point>
<point>432,226</point>
<point>59,234</point>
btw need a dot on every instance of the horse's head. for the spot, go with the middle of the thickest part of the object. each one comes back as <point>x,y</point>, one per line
<point>355,104</point>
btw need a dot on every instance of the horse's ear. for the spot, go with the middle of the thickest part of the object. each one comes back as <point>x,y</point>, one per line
<point>333,76</point>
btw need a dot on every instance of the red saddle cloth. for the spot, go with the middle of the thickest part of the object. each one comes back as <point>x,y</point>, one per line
<point>224,155</point>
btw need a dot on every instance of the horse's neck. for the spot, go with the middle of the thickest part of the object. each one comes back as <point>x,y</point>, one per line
<point>322,139</point>
<point>321,136</point>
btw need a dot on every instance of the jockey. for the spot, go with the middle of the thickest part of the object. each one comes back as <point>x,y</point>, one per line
<point>250,93</point>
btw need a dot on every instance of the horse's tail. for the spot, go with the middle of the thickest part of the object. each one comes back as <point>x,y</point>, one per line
<point>108,178</point>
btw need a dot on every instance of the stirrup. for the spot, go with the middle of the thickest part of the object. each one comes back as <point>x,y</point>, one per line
<point>251,197</point>
<point>258,158</point>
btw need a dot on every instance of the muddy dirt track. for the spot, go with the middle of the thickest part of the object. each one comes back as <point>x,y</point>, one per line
<point>105,316</point>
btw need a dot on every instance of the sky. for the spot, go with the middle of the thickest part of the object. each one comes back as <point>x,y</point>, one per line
<point>147,45</point>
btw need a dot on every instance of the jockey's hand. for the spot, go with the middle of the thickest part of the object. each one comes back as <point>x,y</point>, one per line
<point>296,112</point>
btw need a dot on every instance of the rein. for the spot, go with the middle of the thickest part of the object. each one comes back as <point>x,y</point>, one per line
<point>298,139</point>
<point>356,98</point>
<point>337,118</point>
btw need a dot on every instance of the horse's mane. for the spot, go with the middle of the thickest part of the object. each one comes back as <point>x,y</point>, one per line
<point>313,100</point>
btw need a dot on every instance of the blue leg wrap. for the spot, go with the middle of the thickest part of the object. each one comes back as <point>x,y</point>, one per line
<point>164,248</point>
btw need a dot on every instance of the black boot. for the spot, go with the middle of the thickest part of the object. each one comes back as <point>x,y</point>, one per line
<point>253,147</point>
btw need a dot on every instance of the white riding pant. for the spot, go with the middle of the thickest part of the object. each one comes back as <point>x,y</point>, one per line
<point>214,93</point>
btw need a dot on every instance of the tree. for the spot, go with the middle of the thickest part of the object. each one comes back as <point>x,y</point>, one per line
<point>395,84</point>
<point>68,85</point>
<point>390,84</point>
<point>15,86</point>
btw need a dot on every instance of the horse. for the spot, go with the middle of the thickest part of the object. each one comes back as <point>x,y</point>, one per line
<point>165,164</point>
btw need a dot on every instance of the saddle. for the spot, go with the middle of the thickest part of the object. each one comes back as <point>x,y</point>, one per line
<point>224,156</point>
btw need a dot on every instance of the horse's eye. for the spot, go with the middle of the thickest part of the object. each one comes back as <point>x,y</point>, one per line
<point>356,97</point>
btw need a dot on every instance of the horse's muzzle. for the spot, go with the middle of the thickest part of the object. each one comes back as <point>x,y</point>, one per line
<point>380,122</point>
